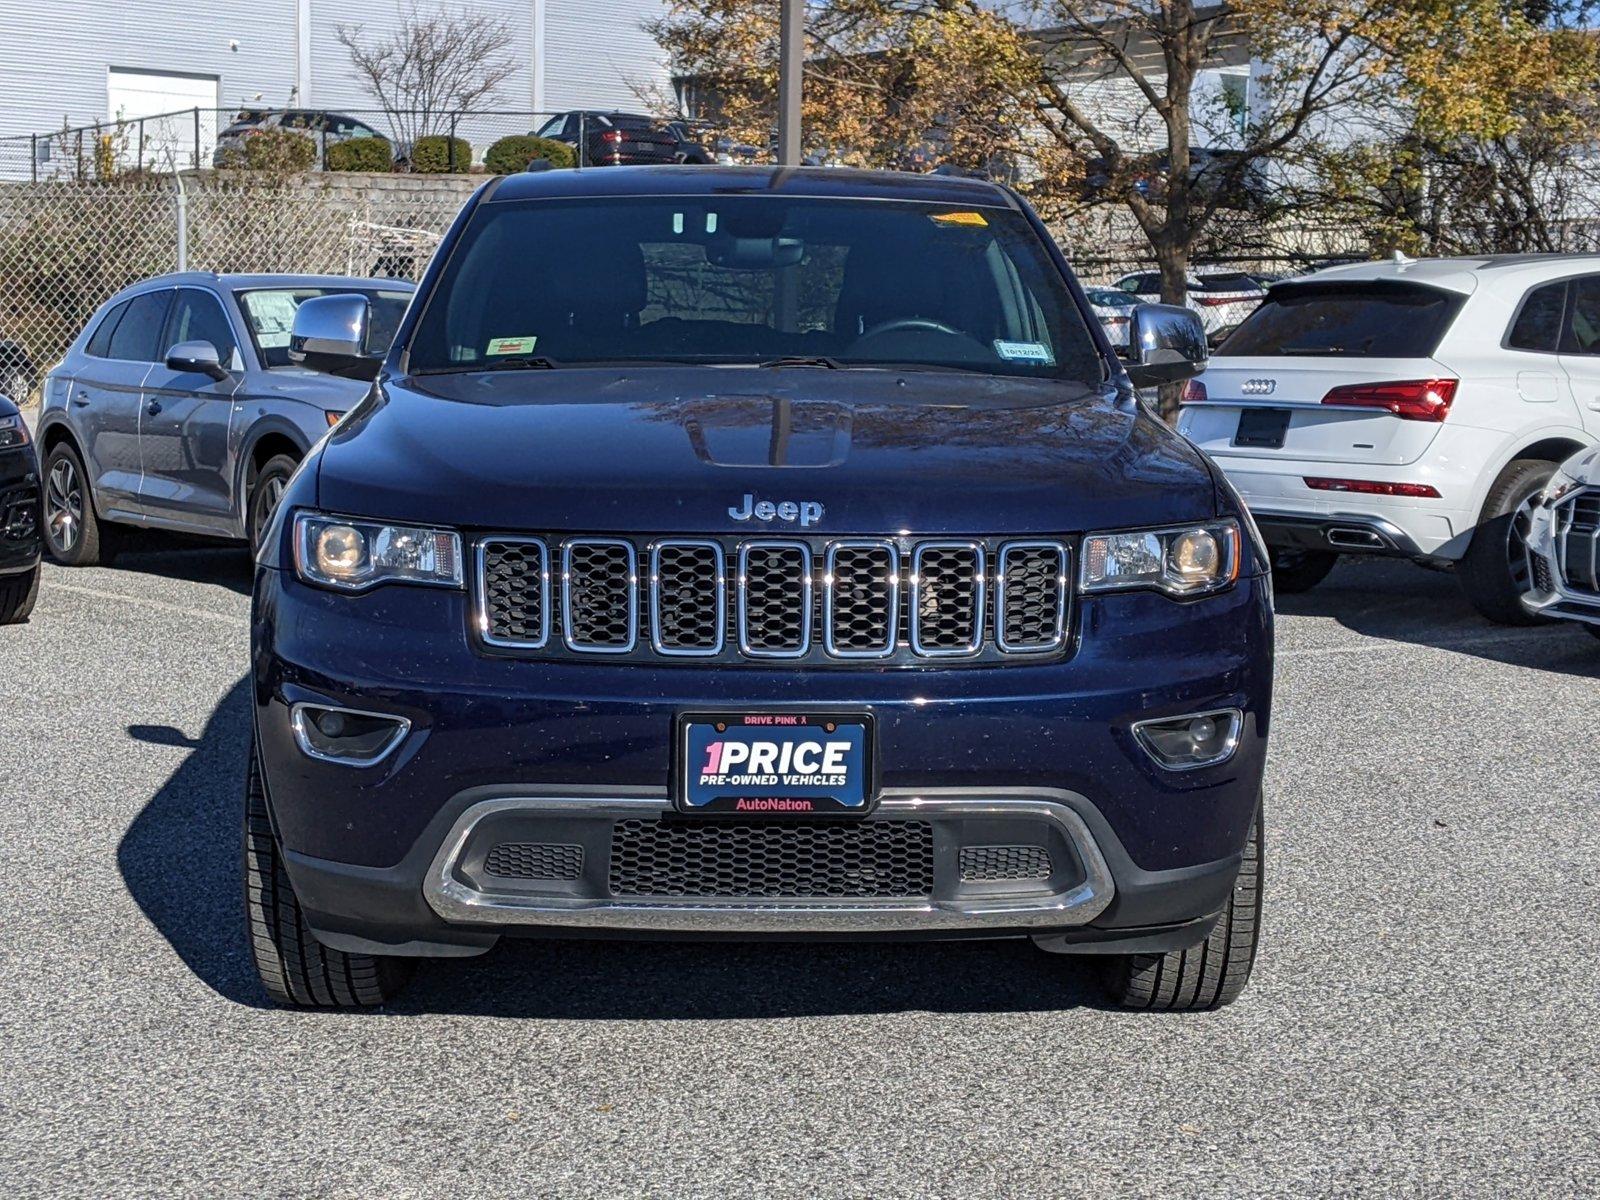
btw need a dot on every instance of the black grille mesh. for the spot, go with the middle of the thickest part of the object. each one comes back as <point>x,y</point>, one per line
<point>771,859</point>
<point>776,615</point>
<point>946,612</point>
<point>992,863</point>
<point>535,860</point>
<point>513,591</point>
<point>1579,541</point>
<point>1031,616</point>
<point>600,594</point>
<point>687,585</point>
<point>861,618</point>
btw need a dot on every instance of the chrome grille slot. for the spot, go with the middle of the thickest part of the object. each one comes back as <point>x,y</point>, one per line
<point>775,592</point>
<point>1031,596</point>
<point>688,597</point>
<point>600,595</point>
<point>947,599</point>
<point>1577,530</point>
<point>861,602</point>
<point>513,586</point>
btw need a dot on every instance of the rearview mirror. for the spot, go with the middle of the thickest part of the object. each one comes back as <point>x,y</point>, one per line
<point>1166,344</point>
<point>330,334</point>
<point>200,357</point>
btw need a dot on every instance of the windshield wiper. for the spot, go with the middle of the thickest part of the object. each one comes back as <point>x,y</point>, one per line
<point>804,360</point>
<point>518,362</point>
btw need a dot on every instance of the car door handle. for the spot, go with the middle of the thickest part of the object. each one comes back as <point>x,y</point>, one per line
<point>81,399</point>
<point>153,408</point>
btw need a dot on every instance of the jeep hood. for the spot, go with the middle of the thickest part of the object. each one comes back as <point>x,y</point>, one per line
<point>672,450</point>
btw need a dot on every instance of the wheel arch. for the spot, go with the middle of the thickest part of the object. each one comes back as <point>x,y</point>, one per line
<point>1553,445</point>
<point>266,441</point>
<point>52,433</point>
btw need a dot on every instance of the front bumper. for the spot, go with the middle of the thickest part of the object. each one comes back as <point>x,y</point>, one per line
<point>20,513</point>
<point>1563,562</point>
<point>391,858</point>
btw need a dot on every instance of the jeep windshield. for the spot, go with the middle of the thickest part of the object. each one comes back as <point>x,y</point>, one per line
<point>745,281</point>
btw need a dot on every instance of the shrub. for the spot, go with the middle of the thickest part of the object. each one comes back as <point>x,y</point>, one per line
<point>279,150</point>
<point>439,155</point>
<point>361,154</point>
<point>512,154</point>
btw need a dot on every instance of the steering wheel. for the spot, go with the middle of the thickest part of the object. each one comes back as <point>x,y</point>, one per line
<point>896,324</point>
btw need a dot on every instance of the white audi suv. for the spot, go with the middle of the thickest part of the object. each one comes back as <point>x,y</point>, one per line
<point>1407,408</point>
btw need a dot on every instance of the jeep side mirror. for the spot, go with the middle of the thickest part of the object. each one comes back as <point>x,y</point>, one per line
<point>330,334</point>
<point>1166,344</point>
<point>199,357</point>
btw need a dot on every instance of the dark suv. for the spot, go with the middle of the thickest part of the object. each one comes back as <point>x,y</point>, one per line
<point>801,564</point>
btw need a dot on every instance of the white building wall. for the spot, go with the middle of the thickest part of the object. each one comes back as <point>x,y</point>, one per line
<point>55,57</point>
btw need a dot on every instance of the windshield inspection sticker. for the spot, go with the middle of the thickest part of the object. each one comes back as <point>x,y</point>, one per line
<point>973,220</point>
<point>1036,352</point>
<point>511,345</point>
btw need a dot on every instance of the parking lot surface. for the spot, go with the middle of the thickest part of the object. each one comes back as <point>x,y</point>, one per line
<point>1424,1020</point>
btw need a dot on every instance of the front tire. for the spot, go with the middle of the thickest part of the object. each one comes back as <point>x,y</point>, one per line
<point>1211,974</point>
<point>296,970</point>
<point>1494,571</point>
<point>73,533</point>
<point>17,594</point>
<point>1295,571</point>
<point>266,490</point>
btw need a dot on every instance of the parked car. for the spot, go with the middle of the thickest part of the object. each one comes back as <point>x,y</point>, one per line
<point>178,407</point>
<point>618,139</point>
<point>1412,409</point>
<point>320,125</point>
<point>1563,537</point>
<point>631,604</point>
<point>19,517</point>
<point>1114,311</point>
<point>1222,298</point>
<point>18,375</point>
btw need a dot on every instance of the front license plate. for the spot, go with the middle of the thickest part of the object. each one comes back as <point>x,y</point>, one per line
<point>1264,427</point>
<point>775,763</point>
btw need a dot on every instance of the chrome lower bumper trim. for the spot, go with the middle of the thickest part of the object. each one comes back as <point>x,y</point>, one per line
<point>454,900</point>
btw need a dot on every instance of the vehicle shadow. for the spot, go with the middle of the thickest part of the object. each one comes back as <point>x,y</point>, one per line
<point>1398,601</point>
<point>186,559</point>
<point>180,862</point>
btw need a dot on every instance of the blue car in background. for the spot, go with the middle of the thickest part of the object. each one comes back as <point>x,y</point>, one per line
<point>177,406</point>
<point>791,559</point>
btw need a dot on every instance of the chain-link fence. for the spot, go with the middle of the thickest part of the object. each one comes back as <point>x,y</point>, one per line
<point>67,247</point>
<point>197,138</point>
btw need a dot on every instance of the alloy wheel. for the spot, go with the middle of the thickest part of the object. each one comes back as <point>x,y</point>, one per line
<point>63,502</point>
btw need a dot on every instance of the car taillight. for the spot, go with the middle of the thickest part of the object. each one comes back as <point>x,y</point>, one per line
<point>1194,392</point>
<point>611,135</point>
<point>1213,301</point>
<point>1408,399</point>
<point>1369,487</point>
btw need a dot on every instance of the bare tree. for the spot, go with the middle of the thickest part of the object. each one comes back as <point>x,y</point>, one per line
<point>438,61</point>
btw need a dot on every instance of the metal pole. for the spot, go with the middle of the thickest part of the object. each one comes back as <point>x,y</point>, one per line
<point>141,145</point>
<point>196,163</point>
<point>583,138</point>
<point>791,65</point>
<point>183,222</point>
<point>33,151</point>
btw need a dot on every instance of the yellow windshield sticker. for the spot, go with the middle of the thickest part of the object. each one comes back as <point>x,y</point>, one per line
<point>511,345</point>
<point>974,219</point>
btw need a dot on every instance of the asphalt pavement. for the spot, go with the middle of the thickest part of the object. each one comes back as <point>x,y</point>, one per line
<point>1424,1019</point>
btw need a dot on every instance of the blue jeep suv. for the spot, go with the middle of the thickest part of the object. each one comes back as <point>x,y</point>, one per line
<point>758,553</point>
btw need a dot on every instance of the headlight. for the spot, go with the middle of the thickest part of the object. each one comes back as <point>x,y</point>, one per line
<point>13,432</point>
<point>1188,560</point>
<point>350,555</point>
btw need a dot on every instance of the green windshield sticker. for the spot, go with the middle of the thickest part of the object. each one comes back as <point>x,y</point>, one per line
<point>1036,352</point>
<point>511,345</point>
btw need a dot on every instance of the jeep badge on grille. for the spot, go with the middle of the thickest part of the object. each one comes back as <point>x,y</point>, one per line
<point>807,512</point>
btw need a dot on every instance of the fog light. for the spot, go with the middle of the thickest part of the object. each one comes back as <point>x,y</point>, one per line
<point>1196,740</point>
<point>346,735</point>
